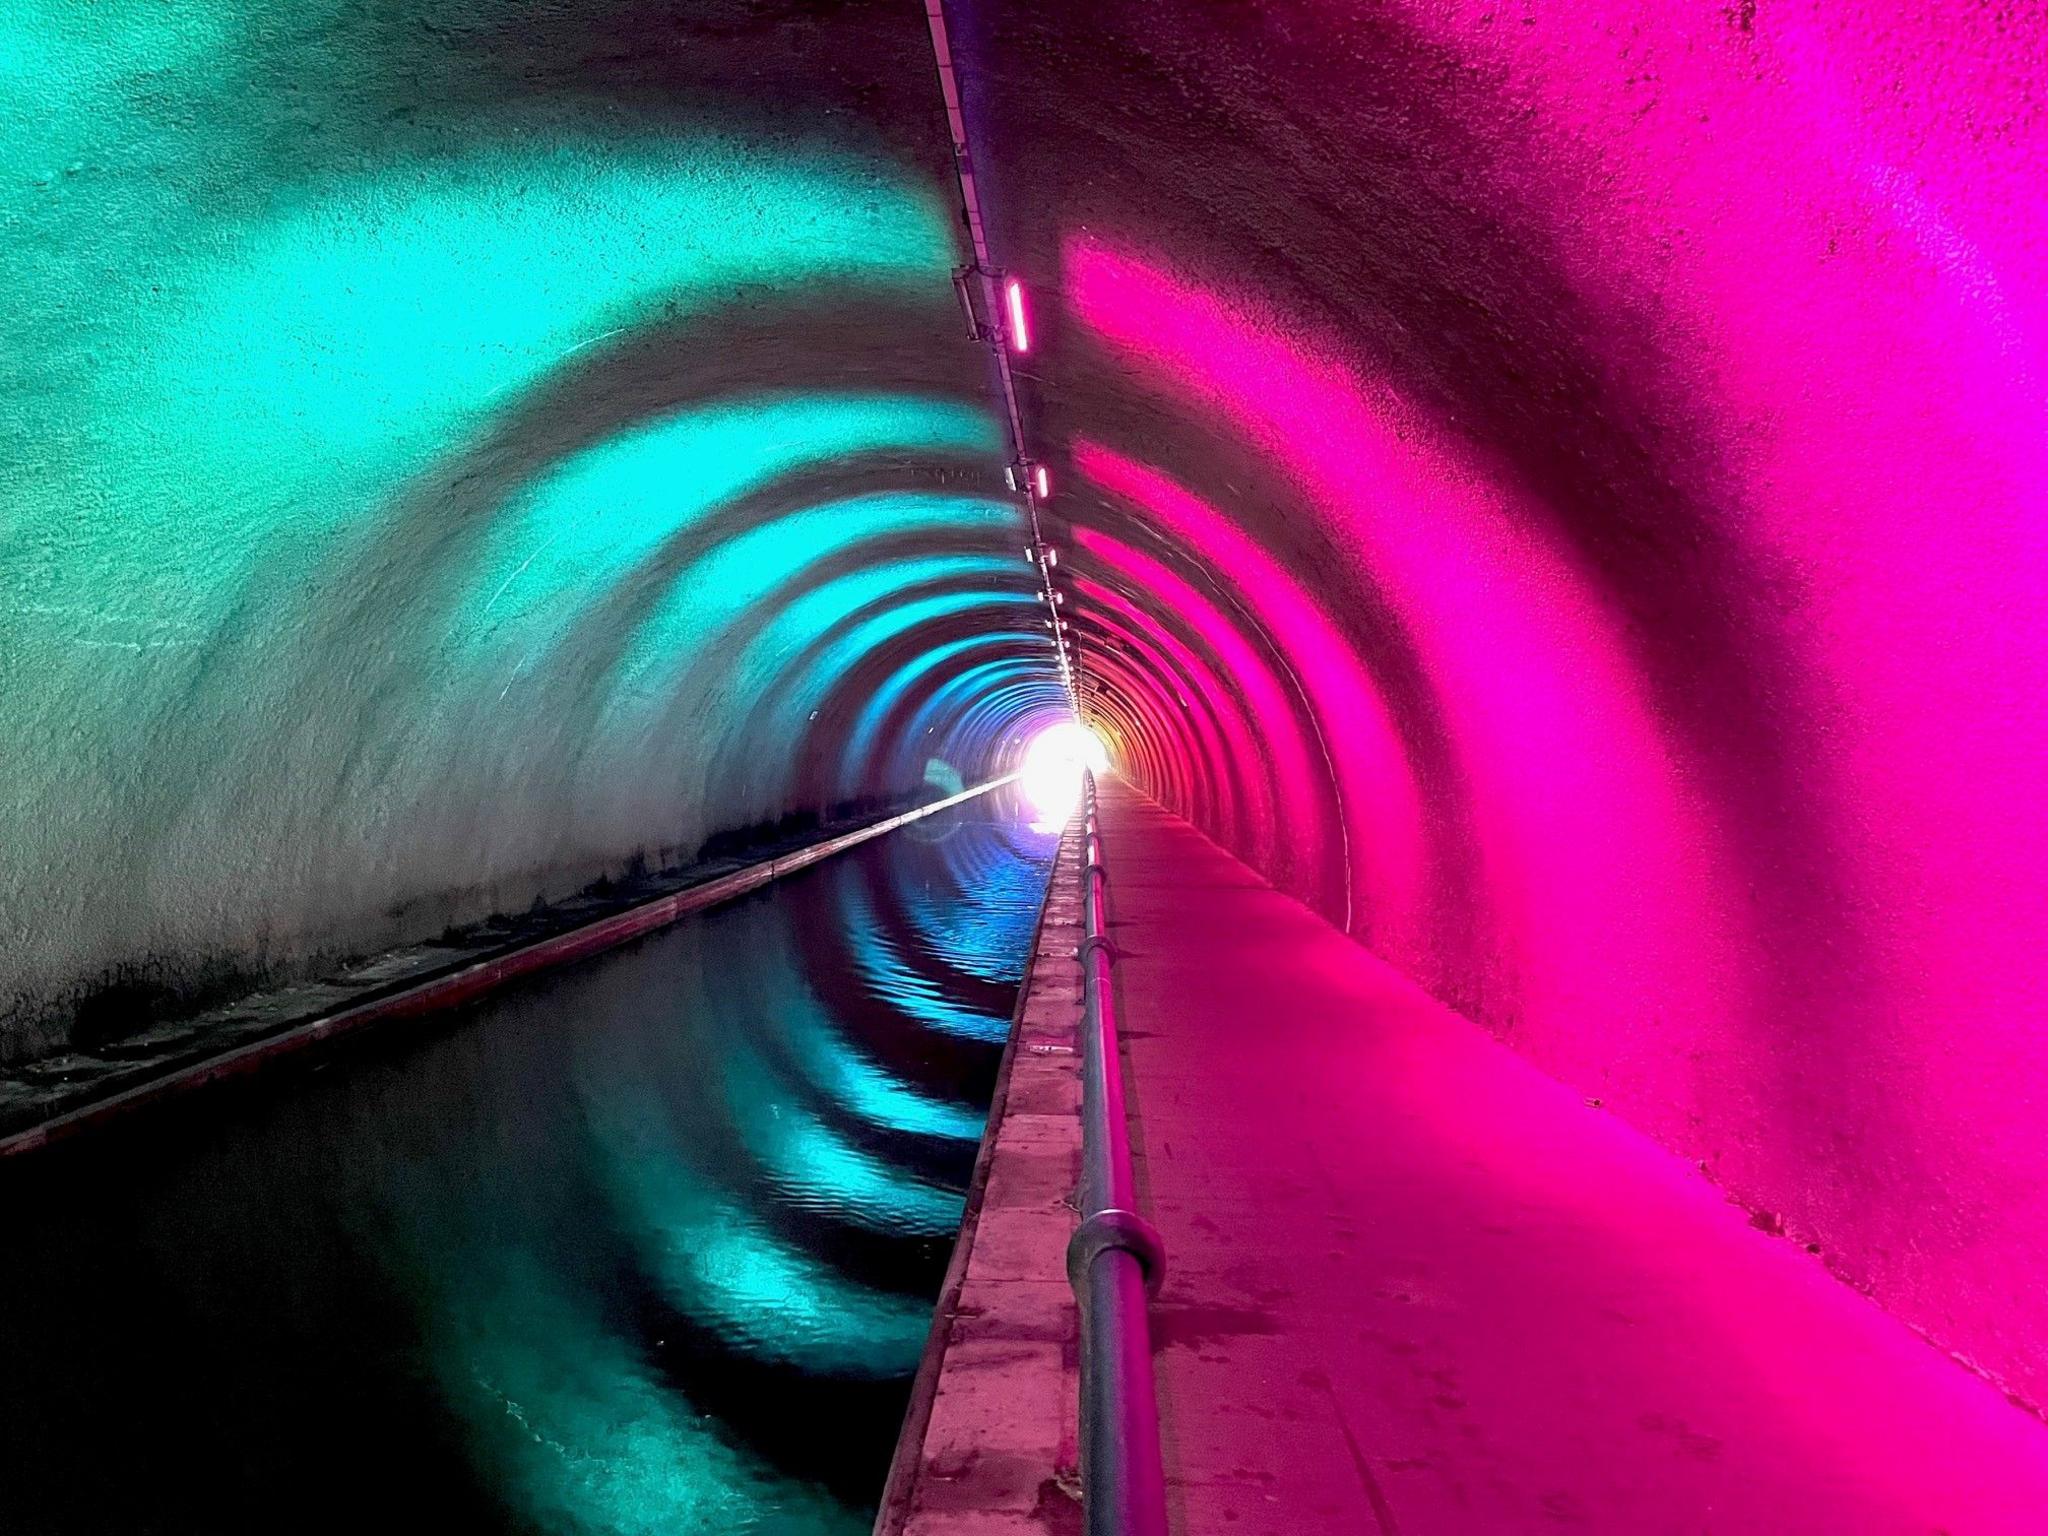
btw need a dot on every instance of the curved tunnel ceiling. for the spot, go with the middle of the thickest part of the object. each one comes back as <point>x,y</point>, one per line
<point>1557,489</point>
<point>455,450</point>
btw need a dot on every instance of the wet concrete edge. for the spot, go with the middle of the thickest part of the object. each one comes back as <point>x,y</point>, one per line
<point>990,1441</point>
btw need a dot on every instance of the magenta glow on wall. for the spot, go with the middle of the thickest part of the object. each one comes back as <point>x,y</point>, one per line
<point>1798,939</point>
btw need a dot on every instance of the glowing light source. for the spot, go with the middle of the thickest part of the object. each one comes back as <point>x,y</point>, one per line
<point>1020,330</point>
<point>1052,768</point>
<point>1041,481</point>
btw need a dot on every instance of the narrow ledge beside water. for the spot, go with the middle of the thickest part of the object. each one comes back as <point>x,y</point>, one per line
<point>992,1439</point>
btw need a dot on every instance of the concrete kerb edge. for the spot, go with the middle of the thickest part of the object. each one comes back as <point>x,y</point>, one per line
<point>899,1492</point>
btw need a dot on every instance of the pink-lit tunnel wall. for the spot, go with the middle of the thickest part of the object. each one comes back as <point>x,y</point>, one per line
<point>1560,489</point>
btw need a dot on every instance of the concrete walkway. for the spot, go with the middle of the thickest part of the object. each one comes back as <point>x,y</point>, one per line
<point>1415,1286</point>
<point>991,1444</point>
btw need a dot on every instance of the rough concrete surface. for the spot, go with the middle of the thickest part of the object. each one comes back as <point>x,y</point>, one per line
<point>455,448</point>
<point>1557,487</point>
<point>1000,1450</point>
<point>1414,1286</point>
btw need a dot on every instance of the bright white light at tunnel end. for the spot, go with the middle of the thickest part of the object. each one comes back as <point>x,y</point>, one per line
<point>1050,771</point>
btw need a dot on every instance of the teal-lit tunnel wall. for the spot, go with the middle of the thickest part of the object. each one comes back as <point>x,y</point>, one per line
<point>453,449</point>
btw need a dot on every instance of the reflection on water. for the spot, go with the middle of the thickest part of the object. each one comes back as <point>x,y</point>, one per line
<point>649,1247</point>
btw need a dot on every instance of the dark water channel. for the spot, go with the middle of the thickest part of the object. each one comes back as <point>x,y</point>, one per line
<point>649,1246</point>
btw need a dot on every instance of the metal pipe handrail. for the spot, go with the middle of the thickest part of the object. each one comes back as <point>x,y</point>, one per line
<point>1115,1260</point>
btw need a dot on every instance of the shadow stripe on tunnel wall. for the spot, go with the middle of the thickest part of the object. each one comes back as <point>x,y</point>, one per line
<point>1627,422</point>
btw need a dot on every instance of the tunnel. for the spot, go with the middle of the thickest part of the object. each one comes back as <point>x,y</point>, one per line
<point>1550,495</point>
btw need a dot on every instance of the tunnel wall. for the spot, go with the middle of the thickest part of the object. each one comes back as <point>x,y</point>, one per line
<point>1559,489</point>
<point>1555,487</point>
<point>456,449</point>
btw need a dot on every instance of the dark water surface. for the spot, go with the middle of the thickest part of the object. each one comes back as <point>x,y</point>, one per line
<point>649,1246</point>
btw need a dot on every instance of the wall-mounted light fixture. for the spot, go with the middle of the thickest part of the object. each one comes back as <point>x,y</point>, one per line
<point>1028,473</point>
<point>964,287</point>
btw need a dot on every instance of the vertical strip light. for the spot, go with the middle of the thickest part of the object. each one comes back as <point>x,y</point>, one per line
<point>1020,330</point>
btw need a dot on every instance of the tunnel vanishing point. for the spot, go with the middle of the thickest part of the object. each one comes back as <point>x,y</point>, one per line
<point>1554,496</point>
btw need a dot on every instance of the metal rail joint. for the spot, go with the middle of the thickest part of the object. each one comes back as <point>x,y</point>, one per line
<point>1115,1260</point>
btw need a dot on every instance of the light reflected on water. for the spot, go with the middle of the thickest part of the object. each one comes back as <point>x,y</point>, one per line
<point>651,1245</point>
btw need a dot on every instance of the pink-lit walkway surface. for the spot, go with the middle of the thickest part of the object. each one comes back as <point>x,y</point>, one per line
<point>1415,1286</point>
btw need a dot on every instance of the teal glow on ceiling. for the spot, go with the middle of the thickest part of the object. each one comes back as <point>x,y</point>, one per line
<point>413,482</point>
